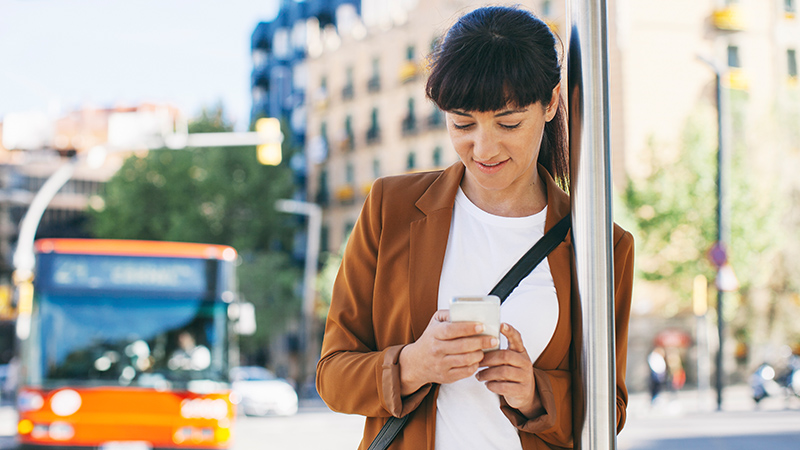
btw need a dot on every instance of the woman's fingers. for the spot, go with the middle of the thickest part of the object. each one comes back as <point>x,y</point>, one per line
<point>514,338</point>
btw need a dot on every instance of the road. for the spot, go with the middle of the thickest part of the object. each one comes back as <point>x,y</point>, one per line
<point>686,421</point>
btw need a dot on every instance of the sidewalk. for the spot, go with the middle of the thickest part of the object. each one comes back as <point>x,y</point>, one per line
<point>689,420</point>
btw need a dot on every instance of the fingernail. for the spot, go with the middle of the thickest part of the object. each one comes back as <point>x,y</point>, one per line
<point>479,328</point>
<point>494,342</point>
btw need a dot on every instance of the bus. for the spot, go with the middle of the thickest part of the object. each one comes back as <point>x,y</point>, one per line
<point>129,346</point>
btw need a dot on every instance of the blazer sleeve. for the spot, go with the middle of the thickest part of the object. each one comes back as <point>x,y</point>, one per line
<point>353,375</point>
<point>554,387</point>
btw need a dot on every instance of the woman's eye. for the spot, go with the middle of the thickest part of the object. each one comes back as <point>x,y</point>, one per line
<point>462,126</point>
<point>510,127</point>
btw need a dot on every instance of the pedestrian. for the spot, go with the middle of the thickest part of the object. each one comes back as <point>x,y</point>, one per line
<point>658,372</point>
<point>423,238</point>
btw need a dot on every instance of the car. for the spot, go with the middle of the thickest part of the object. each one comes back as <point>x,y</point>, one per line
<point>258,392</point>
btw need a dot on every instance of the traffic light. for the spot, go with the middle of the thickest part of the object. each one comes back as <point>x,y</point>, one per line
<point>269,129</point>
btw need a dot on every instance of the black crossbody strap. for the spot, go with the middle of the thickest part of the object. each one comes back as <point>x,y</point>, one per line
<point>388,432</point>
<point>532,258</point>
<point>504,287</point>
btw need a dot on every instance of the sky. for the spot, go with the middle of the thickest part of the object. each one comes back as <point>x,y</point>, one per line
<point>57,56</point>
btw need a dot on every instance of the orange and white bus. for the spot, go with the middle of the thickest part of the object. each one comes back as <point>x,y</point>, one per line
<point>129,346</point>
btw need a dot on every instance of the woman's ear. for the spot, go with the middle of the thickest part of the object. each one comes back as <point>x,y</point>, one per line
<point>552,106</point>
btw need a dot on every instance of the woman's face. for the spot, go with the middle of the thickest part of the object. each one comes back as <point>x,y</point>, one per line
<point>500,148</point>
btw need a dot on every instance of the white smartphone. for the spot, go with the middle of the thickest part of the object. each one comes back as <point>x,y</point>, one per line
<point>484,309</point>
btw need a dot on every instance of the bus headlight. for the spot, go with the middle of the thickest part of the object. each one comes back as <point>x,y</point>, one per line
<point>29,401</point>
<point>65,403</point>
<point>61,431</point>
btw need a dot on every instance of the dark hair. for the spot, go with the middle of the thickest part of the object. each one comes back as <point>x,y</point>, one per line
<point>498,56</point>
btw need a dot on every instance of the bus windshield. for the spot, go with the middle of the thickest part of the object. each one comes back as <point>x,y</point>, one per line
<point>162,342</point>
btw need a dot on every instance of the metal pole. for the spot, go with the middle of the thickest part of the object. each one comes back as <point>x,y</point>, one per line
<point>720,293</point>
<point>314,213</point>
<point>723,162</point>
<point>590,186</point>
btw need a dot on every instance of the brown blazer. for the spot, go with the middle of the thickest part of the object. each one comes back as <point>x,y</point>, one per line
<point>386,292</point>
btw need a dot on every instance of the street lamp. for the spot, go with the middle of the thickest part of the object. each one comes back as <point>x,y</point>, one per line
<point>718,252</point>
<point>314,213</point>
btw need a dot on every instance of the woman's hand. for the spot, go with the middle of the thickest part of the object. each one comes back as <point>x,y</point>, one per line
<point>446,352</point>
<point>510,373</point>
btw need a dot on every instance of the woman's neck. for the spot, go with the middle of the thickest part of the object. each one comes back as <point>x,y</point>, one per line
<point>521,200</point>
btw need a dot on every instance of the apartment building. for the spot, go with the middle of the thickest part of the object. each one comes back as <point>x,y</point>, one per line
<point>367,115</point>
<point>367,112</point>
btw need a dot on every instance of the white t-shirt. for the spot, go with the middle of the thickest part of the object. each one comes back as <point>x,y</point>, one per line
<point>481,248</point>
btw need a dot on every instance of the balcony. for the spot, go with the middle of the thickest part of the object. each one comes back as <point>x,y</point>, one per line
<point>737,80</point>
<point>373,136</point>
<point>436,120</point>
<point>260,38</point>
<point>408,71</point>
<point>409,126</point>
<point>348,143</point>
<point>345,194</point>
<point>729,18</point>
<point>348,92</point>
<point>374,84</point>
<point>260,76</point>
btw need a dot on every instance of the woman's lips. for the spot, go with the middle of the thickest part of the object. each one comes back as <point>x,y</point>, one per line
<point>490,166</point>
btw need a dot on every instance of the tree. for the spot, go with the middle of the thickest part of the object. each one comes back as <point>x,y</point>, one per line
<point>216,196</point>
<point>674,213</point>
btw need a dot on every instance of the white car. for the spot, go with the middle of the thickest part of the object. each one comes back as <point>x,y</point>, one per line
<point>259,392</point>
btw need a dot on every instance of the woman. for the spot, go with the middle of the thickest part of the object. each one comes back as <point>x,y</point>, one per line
<point>421,239</point>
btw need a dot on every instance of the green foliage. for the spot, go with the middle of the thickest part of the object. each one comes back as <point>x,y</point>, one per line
<point>211,195</point>
<point>674,213</point>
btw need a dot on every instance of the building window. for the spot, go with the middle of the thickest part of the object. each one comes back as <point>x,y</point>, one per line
<point>324,239</point>
<point>349,174</point>
<point>733,57</point>
<point>347,90</point>
<point>437,156</point>
<point>374,131</point>
<point>323,131</point>
<point>547,8</point>
<point>349,140</point>
<point>323,194</point>
<point>410,120</point>
<point>791,62</point>
<point>410,50</point>
<point>374,83</point>
<point>411,161</point>
<point>436,119</point>
<point>376,168</point>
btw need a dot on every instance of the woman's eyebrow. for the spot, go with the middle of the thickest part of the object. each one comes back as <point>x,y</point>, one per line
<point>500,114</point>
<point>510,111</point>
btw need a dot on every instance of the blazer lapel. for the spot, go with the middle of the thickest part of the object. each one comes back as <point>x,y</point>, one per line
<point>428,242</point>
<point>560,261</point>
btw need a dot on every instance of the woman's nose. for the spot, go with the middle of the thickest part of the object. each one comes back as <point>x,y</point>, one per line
<point>485,146</point>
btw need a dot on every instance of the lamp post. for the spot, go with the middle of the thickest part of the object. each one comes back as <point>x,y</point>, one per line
<point>718,251</point>
<point>314,213</point>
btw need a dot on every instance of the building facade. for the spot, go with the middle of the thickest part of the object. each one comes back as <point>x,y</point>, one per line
<point>367,112</point>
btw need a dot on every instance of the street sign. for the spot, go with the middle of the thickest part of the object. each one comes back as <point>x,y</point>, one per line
<point>717,255</point>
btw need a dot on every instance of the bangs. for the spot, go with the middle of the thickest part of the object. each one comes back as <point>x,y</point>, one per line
<point>492,58</point>
<point>487,78</point>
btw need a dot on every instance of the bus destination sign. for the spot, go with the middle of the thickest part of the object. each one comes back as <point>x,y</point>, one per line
<point>122,272</point>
